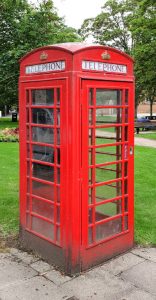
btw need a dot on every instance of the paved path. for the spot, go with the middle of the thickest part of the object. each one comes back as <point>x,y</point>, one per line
<point>131,276</point>
<point>138,140</point>
<point>145,142</point>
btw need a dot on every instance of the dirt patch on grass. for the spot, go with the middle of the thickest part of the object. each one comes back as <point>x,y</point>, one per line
<point>7,242</point>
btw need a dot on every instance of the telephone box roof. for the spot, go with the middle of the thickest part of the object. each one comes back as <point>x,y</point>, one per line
<point>74,48</point>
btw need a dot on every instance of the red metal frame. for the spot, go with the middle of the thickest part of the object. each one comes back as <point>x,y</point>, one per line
<point>75,245</point>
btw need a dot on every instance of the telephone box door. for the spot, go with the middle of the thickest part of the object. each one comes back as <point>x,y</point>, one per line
<point>107,169</point>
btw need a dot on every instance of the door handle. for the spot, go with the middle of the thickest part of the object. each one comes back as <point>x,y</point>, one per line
<point>131,150</point>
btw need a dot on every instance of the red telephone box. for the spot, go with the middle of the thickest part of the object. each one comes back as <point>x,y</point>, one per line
<point>76,153</point>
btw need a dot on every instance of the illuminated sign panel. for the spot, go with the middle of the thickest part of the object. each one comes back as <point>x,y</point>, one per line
<point>48,67</point>
<point>103,67</point>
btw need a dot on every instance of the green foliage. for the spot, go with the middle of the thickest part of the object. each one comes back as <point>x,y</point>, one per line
<point>9,131</point>
<point>110,27</point>
<point>24,27</point>
<point>129,25</point>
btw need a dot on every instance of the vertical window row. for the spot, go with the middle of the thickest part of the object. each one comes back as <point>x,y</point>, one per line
<point>108,166</point>
<point>43,162</point>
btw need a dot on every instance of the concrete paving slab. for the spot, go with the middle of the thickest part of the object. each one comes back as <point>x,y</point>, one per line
<point>11,271</point>
<point>122,263</point>
<point>98,285</point>
<point>143,276</point>
<point>56,277</point>
<point>37,288</point>
<point>139,295</point>
<point>24,256</point>
<point>147,253</point>
<point>4,255</point>
<point>126,277</point>
<point>41,266</point>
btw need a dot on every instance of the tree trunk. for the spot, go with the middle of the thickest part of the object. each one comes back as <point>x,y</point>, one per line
<point>136,110</point>
<point>5,110</point>
<point>151,107</point>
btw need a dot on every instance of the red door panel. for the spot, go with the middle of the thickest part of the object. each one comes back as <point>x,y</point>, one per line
<point>107,167</point>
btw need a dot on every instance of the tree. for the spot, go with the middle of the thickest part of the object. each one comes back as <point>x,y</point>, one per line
<point>129,25</point>
<point>24,27</point>
<point>110,27</point>
<point>143,28</point>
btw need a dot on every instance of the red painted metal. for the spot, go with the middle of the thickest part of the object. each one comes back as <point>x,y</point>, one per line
<point>76,169</point>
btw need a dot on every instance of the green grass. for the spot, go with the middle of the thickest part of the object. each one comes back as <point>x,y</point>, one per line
<point>145,195</point>
<point>151,135</point>
<point>9,188</point>
<point>7,123</point>
<point>145,204</point>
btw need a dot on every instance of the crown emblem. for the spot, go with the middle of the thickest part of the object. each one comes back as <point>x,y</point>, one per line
<point>43,56</point>
<point>105,55</point>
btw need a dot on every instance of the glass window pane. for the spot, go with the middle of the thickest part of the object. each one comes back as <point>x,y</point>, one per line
<point>108,229</point>
<point>28,202</point>
<point>91,137</point>
<point>126,204</point>
<point>28,220</point>
<point>27,97</point>
<point>108,135</point>
<point>58,214</point>
<point>43,153</point>
<point>58,137</point>
<point>106,173</point>
<point>91,116</point>
<point>126,115</point>
<point>107,210</point>
<point>90,216</point>
<point>58,96</point>
<point>126,223</point>
<point>43,135</point>
<point>108,191</point>
<point>58,158</point>
<point>42,227</point>
<point>58,234</point>
<point>27,115</point>
<point>28,185</point>
<point>27,133</point>
<point>91,195</point>
<point>91,96</point>
<point>43,116</point>
<point>91,156</point>
<point>108,154</point>
<point>126,96</point>
<point>28,150</point>
<point>43,97</point>
<point>108,97</point>
<point>43,190</point>
<point>43,172</point>
<point>43,208</point>
<point>90,235</point>
<point>108,116</point>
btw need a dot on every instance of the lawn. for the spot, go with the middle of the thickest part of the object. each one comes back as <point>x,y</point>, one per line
<point>145,195</point>
<point>145,192</point>
<point>9,187</point>
<point>151,135</point>
<point>7,123</point>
